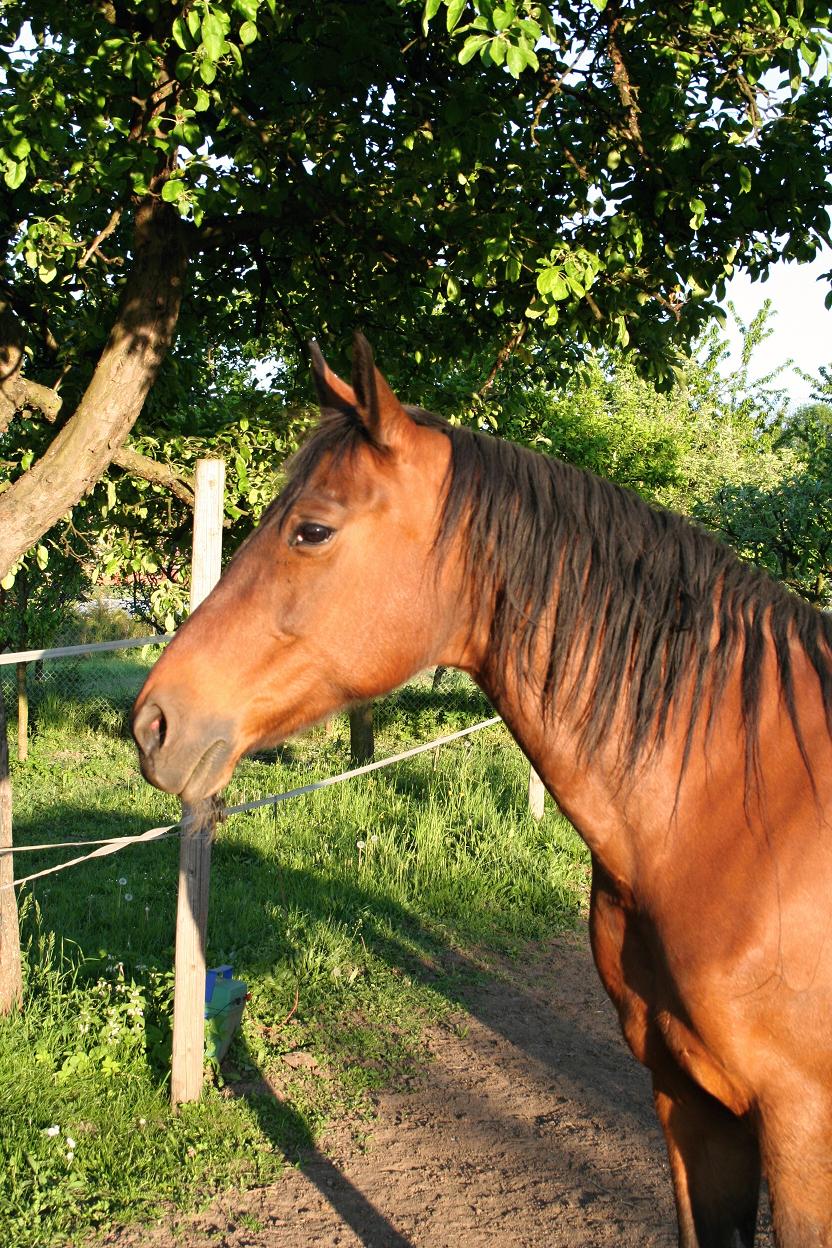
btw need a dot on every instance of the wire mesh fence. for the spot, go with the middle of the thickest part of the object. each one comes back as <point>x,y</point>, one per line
<point>95,692</point>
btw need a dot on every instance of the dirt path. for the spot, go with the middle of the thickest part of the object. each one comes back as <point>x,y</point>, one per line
<point>533,1126</point>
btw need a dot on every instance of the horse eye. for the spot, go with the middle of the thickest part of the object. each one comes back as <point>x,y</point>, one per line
<point>311,534</point>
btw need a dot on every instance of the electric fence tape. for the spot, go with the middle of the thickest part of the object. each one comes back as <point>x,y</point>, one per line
<point>114,844</point>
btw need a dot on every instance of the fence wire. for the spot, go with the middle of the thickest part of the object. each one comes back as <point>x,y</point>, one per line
<point>95,692</point>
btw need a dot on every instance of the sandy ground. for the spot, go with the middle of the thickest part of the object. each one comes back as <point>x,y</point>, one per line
<point>532,1126</point>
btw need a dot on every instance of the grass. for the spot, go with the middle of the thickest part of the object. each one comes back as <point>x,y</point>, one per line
<point>352,915</point>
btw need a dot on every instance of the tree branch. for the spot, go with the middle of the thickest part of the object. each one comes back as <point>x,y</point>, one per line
<point>627,93</point>
<point>138,465</point>
<point>100,236</point>
<point>128,366</point>
<point>18,394</point>
<point>505,353</point>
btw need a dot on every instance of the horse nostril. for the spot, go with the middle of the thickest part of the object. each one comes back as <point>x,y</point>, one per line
<point>150,729</point>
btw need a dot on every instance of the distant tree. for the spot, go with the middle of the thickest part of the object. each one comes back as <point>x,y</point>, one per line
<point>786,527</point>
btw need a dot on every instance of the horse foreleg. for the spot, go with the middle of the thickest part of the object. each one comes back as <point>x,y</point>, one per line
<point>714,1160</point>
<point>714,1156</point>
<point>797,1152</point>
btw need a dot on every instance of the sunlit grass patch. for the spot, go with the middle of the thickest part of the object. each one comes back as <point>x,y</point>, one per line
<point>351,913</point>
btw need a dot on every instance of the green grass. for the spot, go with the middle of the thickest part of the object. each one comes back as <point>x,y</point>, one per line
<point>355,915</point>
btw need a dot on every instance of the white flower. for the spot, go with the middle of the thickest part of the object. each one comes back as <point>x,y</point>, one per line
<point>56,1130</point>
<point>69,1156</point>
<point>360,844</point>
<point>128,896</point>
<point>121,881</point>
<point>373,839</point>
<point>70,1143</point>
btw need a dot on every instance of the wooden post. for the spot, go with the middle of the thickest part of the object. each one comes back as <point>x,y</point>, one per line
<point>191,930</point>
<point>537,794</point>
<point>362,742</point>
<point>196,839</point>
<point>11,979</point>
<point>22,713</point>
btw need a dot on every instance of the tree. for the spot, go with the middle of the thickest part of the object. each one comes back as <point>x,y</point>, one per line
<point>785,526</point>
<point>250,174</point>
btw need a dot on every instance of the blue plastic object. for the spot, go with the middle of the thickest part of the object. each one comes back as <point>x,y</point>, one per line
<point>225,999</point>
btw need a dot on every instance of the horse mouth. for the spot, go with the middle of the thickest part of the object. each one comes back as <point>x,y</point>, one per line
<point>209,774</point>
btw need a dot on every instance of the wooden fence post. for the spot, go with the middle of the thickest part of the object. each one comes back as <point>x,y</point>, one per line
<point>537,794</point>
<point>11,979</point>
<point>197,837</point>
<point>362,741</point>
<point>22,713</point>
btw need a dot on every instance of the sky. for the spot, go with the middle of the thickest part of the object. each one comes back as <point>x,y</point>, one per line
<point>802,326</point>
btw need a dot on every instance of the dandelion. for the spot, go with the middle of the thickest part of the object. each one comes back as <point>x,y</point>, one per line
<point>128,896</point>
<point>121,881</point>
<point>70,1143</point>
<point>359,845</point>
<point>55,1130</point>
<point>374,839</point>
<point>69,1157</point>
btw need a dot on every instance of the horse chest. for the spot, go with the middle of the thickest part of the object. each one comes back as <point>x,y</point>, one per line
<point>652,1005</point>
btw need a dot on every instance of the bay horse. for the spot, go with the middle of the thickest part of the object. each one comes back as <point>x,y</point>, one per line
<point>676,702</point>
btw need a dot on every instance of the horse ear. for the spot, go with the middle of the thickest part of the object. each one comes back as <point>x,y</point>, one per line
<point>330,389</point>
<point>380,411</point>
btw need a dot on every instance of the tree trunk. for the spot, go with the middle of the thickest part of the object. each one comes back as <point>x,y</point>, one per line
<point>11,981</point>
<point>362,743</point>
<point>127,369</point>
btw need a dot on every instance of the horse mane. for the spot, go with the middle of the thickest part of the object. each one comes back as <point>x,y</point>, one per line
<point>657,609</point>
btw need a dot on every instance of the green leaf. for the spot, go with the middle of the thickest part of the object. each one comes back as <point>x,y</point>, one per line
<point>513,269</point>
<point>247,9</point>
<point>181,34</point>
<point>452,287</point>
<point>471,47</point>
<point>42,556</point>
<point>497,49</point>
<point>207,72</point>
<point>515,60</point>
<point>184,66</point>
<point>454,13</point>
<point>248,33</point>
<point>172,190</point>
<point>552,282</point>
<point>698,210</point>
<point>15,174</point>
<point>213,36</point>
<point>431,9</point>
<point>745,178</point>
<point>8,581</point>
<point>19,146</point>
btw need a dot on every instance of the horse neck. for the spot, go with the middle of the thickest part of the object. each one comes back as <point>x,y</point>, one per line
<point>591,792</point>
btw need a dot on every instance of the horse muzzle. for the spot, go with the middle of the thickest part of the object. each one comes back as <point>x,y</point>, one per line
<point>190,759</point>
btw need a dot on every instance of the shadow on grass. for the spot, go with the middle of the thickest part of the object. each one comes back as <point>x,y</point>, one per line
<point>253,901</point>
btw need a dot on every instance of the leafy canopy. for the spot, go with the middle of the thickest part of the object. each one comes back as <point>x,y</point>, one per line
<point>591,172</point>
<point>465,181</point>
